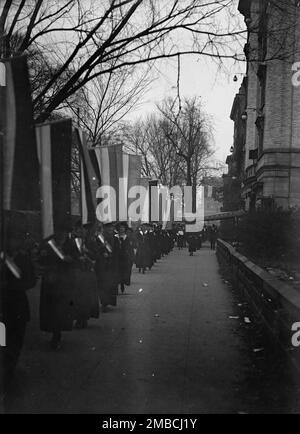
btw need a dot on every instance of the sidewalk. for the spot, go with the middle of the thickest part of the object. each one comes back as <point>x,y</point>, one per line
<point>176,343</point>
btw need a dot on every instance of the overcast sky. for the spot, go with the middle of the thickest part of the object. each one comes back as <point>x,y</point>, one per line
<point>200,78</point>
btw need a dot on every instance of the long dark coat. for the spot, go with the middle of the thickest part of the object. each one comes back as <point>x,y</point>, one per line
<point>107,271</point>
<point>153,247</point>
<point>58,293</point>
<point>192,242</point>
<point>126,259</point>
<point>16,313</point>
<point>86,299</point>
<point>143,256</point>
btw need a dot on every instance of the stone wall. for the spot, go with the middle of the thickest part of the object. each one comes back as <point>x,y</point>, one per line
<point>275,302</point>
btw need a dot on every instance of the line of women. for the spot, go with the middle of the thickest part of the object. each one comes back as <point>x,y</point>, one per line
<point>82,272</point>
<point>90,271</point>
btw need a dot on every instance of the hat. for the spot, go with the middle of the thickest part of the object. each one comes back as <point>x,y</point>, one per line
<point>108,224</point>
<point>122,224</point>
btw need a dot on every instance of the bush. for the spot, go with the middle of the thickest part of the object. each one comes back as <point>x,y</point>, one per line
<point>271,234</point>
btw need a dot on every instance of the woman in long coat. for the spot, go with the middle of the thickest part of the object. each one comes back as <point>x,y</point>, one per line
<point>126,257</point>
<point>107,265</point>
<point>143,255</point>
<point>17,271</point>
<point>58,294</point>
<point>86,302</point>
<point>192,242</point>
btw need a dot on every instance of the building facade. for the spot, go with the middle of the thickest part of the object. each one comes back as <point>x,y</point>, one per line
<point>232,200</point>
<point>270,156</point>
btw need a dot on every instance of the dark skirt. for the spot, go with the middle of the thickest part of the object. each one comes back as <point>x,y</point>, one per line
<point>57,301</point>
<point>125,271</point>
<point>107,287</point>
<point>86,300</point>
<point>144,257</point>
<point>192,247</point>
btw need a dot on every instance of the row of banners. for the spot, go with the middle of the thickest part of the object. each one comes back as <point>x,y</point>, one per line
<point>37,159</point>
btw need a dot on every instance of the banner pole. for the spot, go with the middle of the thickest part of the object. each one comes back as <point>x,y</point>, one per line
<point>2,216</point>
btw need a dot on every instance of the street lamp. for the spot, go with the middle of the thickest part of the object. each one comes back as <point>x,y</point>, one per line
<point>245,114</point>
<point>235,78</point>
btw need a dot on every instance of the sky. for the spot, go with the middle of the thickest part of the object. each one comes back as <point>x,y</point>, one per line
<point>202,79</point>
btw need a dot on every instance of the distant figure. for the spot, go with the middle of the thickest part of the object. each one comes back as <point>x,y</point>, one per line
<point>213,236</point>
<point>199,241</point>
<point>180,239</point>
<point>192,242</point>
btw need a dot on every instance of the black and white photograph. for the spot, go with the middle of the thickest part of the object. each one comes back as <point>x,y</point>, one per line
<point>149,210</point>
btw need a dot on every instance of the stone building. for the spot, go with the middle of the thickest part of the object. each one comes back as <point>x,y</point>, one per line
<point>271,161</point>
<point>232,181</point>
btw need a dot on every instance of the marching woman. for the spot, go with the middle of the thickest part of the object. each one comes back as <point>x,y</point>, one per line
<point>86,303</point>
<point>126,257</point>
<point>192,242</point>
<point>152,242</point>
<point>143,254</point>
<point>57,301</point>
<point>17,272</point>
<point>107,265</point>
<point>180,239</point>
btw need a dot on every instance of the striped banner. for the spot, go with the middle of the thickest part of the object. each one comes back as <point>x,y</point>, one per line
<point>121,171</point>
<point>89,179</point>
<point>171,219</point>
<point>20,161</point>
<point>54,142</point>
<point>154,202</point>
<point>110,163</point>
<point>144,182</point>
<point>133,168</point>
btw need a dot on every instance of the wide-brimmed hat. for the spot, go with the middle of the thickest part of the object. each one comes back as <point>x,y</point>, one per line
<point>108,224</point>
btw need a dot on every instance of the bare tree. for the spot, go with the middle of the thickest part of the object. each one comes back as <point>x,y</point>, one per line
<point>175,146</point>
<point>103,103</point>
<point>189,130</point>
<point>148,139</point>
<point>88,39</point>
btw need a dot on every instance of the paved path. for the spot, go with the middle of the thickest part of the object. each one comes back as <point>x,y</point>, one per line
<point>173,345</point>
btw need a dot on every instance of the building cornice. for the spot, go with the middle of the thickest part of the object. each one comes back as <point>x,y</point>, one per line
<point>279,151</point>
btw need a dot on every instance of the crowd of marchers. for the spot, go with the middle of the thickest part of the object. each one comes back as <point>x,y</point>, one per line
<point>81,272</point>
<point>194,240</point>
